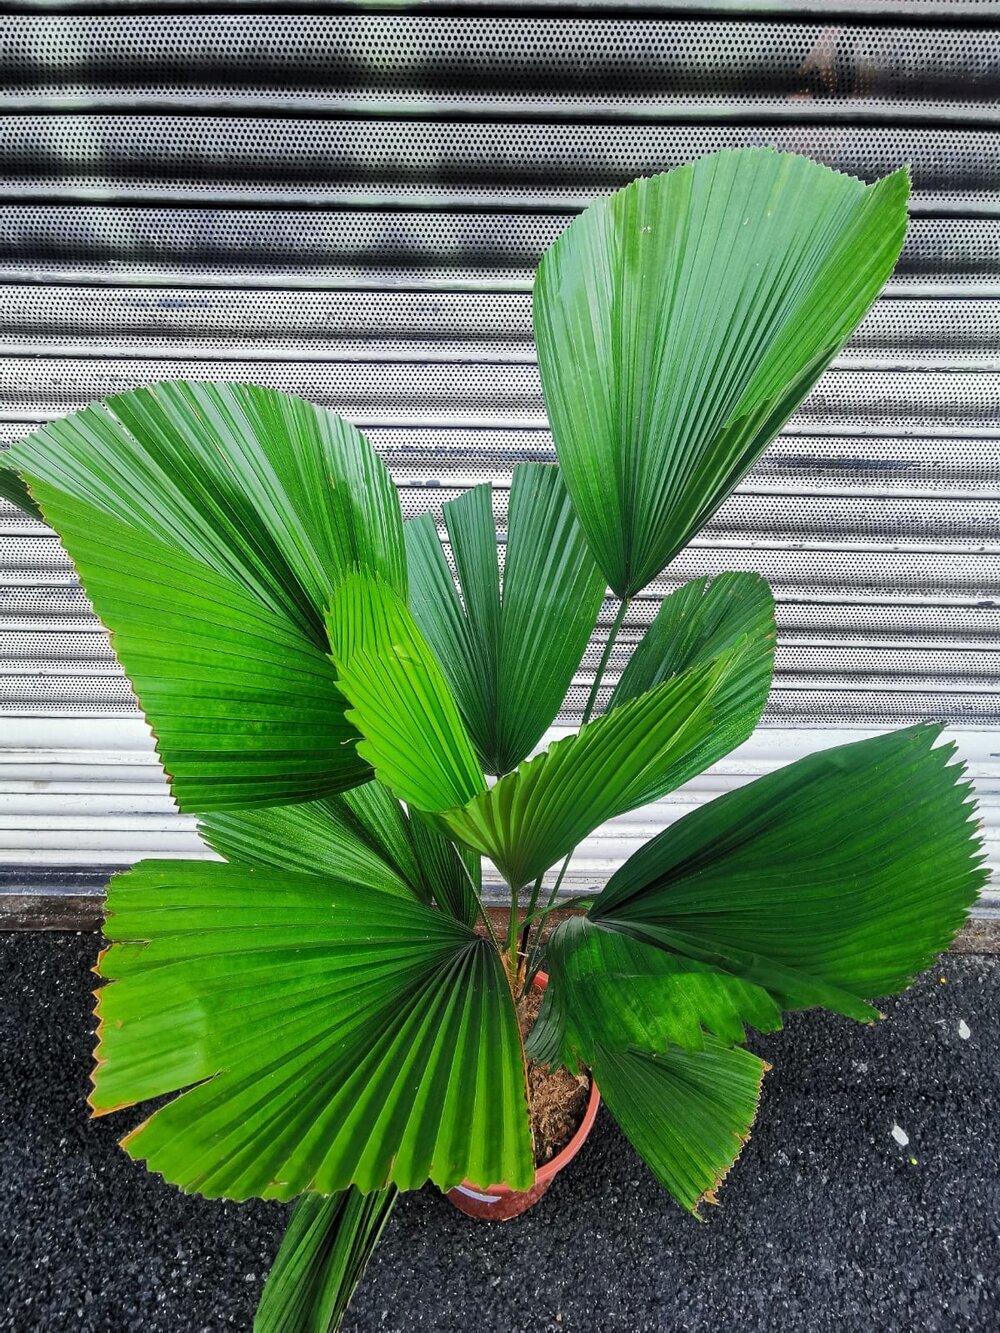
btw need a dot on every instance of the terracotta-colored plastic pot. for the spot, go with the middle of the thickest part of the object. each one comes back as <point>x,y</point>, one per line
<point>498,1203</point>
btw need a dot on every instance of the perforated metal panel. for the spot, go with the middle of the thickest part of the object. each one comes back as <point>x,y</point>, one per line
<point>350,205</point>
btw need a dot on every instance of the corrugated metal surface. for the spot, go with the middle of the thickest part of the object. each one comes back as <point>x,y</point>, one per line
<point>350,205</point>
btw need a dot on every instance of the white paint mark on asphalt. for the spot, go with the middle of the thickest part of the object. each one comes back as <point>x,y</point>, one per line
<point>964,1031</point>
<point>900,1135</point>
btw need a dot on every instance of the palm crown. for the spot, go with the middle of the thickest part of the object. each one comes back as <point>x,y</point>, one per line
<point>330,687</point>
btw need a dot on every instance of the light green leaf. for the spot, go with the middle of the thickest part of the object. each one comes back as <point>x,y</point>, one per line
<point>829,882</point>
<point>362,836</point>
<point>209,525</point>
<point>323,1254</point>
<point>610,989</point>
<point>682,320</point>
<point>414,737</point>
<point>509,658</point>
<point>699,622</point>
<point>687,1113</point>
<point>244,706</point>
<point>328,1036</point>
<point>538,813</point>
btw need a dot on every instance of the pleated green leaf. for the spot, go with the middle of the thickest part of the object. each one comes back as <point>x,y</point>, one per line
<point>323,1254</point>
<point>452,875</point>
<point>610,989</point>
<point>829,882</point>
<point>701,621</point>
<point>687,1113</point>
<point>209,525</point>
<point>416,740</point>
<point>508,654</point>
<point>463,634</point>
<point>362,836</point>
<point>682,320</point>
<point>414,737</point>
<point>552,594</point>
<point>696,623</point>
<point>538,813</point>
<point>328,1035</point>
<point>656,1029</point>
<point>12,488</point>
<point>244,707</point>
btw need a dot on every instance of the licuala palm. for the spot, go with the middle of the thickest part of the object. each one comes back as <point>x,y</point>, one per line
<point>330,687</point>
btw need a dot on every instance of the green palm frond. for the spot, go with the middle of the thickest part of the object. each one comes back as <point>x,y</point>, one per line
<point>209,524</point>
<point>682,320</point>
<point>508,653</point>
<point>323,1254</point>
<point>321,1035</point>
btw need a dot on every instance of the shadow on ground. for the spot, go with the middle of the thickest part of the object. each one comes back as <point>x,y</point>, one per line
<point>826,1223</point>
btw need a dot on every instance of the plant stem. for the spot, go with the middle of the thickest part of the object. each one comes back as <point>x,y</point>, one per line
<point>587,714</point>
<point>512,928</point>
<point>482,908</point>
<point>605,658</point>
<point>489,926</point>
<point>529,914</point>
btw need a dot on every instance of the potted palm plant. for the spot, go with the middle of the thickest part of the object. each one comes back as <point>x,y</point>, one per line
<point>331,689</point>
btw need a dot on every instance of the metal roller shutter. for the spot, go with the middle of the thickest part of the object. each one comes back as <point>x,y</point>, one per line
<point>350,206</point>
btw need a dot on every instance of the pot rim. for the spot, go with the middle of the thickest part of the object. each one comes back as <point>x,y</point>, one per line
<point>546,1172</point>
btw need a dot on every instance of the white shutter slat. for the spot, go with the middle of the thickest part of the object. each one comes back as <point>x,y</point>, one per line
<point>351,205</point>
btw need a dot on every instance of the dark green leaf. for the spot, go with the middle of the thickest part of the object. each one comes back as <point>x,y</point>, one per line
<point>452,875</point>
<point>828,882</point>
<point>610,989</point>
<point>328,1035</point>
<point>363,836</point>
<point>681,321</point>
<point>699,622</point>
<point>209,525</point>
<point>508,658</point>
<point>687,1113</point>
<point>323,1254</point>
<point>464,638</point>
<point>415,738</point>
<point>12,488</point>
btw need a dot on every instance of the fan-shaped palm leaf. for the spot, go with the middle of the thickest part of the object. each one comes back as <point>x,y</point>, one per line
<point>681,321</point>
<point>829,882</point>
<point>361,836</point>
<point>418,745</point>
<point>687,1113</point>
<point>508,654</point>
<point>328,1035</point>
<point>609,988</point>
<point>209,525</point>
<point>699,622</point>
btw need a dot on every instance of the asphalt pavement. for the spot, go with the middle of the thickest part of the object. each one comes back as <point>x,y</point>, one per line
<point>867,1199</point>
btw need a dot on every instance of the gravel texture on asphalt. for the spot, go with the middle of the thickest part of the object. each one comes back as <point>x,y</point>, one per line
<point>829,1221</point>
